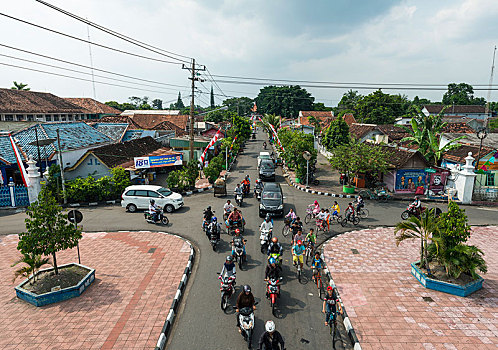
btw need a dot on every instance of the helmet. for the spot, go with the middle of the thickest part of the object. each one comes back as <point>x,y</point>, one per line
<point>214,219</point>
<point>237,230</point>
<point>330,288</point>
<point>208,208</point>
<point>316,202</point>
<point>247,288</point>
<point>268,217</point>
<point>247,176</point>
<point>274,240</point>
<point>152,201</point>
<point>416,197</point>
<point>272,261</point>
<point>229,258</point>
<point>299,242</point>
<point>270,326</point>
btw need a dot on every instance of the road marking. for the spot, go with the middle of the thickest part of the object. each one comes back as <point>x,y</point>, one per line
<point>490,209</point>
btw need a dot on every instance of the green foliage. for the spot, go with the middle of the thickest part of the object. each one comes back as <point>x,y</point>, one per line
<point>381,108</point>
<point>20,86</point>
<point>120,180</point>
<point>349,101</point>
<point>157,104</point>
<point>493,122</point>
<point>173,180</point>
<point>179,103</point>
<point>54,181</point>
<point>240,105</point>
<point>337,134</point>
<point>319,106</point>
<point>272,119</point>
<point>453,226</point>
<point>191,172</point>
<point>356,158</point>
<point>426,133</point>
<point>417,101</point>
<point>295,144</point>
<point>214,168</point>
<point>241,127</point>
<point>184,178</point>
<point>461,94</point>
<point>32,265</point>
<point>285,101</point>
<point>463,259</point>
<point>47,229</point>
<point>219,116</point>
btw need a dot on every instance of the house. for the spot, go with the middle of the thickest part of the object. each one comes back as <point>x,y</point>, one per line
<point>393,133</point>
<point>491,140</point>
<point>134,112</point>
<point>30,107</point>
<point>99,161</point>
<point>474,124</point>
<point>149,121</point>
<point>468,111</point>
<point>324,118</point>
<point>349,119</point>
<point>114,131</point>
<point>96,109</point>
<point>364,132</point>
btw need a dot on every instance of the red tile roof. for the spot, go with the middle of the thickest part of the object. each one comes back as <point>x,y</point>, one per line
<point>316,114</point>
<point>149,121</point>
<point>359,130</point>
<point>167,125</point>
<point>349,118</point>
<point>458,128</point>
<point>93,106</point>
<point>119,119</point>
<point>398,157</point>
<point>464,109</point>
<point>31,102</point>
<point>458,155</point>
<point>393,132</point>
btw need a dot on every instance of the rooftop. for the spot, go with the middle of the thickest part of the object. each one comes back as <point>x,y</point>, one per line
<point>458,155</point>
<point>490,141</point>
<point>133,112</point>
<point>399,156</point>
<point>463,109</point>
<point>393,132</point>
<point>316,114</point>
<point>459,128</point>
<point>31,102</point>
<point>358,130</point>
<point>115,131</point>
<point>93,106</point>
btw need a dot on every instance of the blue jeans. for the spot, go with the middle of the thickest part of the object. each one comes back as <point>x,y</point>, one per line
<point>155,216</point>
<point>243,249</point>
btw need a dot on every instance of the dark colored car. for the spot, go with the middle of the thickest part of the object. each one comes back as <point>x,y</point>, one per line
<point>272,200</point>
<point>267,170</point>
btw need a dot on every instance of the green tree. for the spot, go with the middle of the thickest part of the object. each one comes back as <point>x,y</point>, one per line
<point>423,228</point>
<point>461,94</point>
<point>20,86</point>
<point>214,168</point>
<point>240,105</point>
<point>421,101</point>
<point>157,104</point>
<point>425,133</point>
<point>319,106</point>
<point>381,108</point>
<point>337,134</point>
<point>295,144</point>
<point>212,98</point>
<point>272,119</point>
<point>285,101</point>
<point>241,127</point>
<point>47,229</point>
<point>219,116</point>
<point>120,180</point>
<point>115,105</point>
<point>356,158</point>
<point>179,103</point>
<point>349,101</point>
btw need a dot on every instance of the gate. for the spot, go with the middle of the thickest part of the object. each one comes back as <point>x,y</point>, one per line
<point>19,193</point>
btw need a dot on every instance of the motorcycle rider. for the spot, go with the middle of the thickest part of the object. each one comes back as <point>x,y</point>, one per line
<point>275,248</point>
<point>208,215</point>
<point>234,217</point>
<point>154,209</point>
<point>264,144</point>
<point>238,240</point>
<point>271,339</point>
<point>228,267</point>
<point>272,270</point>
<point>416,205</point>
<point>246,184</point>
<point>227,208</point>
<point>267,225</point>
<point>213,227</point>
<point>245,299</point>
<point>258,185</point>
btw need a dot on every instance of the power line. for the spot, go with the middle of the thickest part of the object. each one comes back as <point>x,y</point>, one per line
<point>215,83</point>
<point>88,67</point>
<point>118,35</point>
<point>87,41</point>
<point>82,79</point>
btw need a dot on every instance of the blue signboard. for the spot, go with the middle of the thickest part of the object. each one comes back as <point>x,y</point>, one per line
<point>407,180</point>
<point>158,161</point>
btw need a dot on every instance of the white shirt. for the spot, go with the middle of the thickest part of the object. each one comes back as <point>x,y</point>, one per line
<point>266,226</point>
<point>153,208</point>
<point>228,207</point>
<point>322,216</point>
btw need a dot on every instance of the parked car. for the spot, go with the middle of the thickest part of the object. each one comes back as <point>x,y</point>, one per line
<point>139,196</point>
<point>263,155</point>
<point>272,200</point>
<point>267,170</point>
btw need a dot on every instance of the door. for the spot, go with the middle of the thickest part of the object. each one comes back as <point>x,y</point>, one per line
<point>141,199</point>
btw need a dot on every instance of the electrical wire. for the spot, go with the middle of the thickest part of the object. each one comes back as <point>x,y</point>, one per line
<point>82,79</point>
<point>118,35</point>
<point>89,42</point>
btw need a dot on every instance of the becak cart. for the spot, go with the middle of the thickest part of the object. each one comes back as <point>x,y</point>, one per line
<point>220,187</point>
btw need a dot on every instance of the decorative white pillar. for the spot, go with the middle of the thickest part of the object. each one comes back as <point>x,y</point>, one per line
<point>34,187</point>
<point>464,180</point>
<point>11,190</point>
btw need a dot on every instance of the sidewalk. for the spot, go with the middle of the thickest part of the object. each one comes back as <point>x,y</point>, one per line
<point>137,276</point>
<point>386,304</point>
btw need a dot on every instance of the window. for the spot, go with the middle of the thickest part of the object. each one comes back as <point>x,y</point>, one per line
<point>9,118</point>
<point>97,161</point>
<point>490,179</point>
<point>153,194</point>
<point>130,193</point>
<point>164,191</point>
<point>30,118</point>
<point>76,117</point>
<point>69,117</point>
<point>90,161</point>
<point>141,193</point>
<point>63,118</point>
<point>48,118</point>
<point>19,117</point>
<point>56,118</point>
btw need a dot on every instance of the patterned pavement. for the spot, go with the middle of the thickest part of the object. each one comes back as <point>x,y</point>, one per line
<point>137,275</point>
<point>385,303</point>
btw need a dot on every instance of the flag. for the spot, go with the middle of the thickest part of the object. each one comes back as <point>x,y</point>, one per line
<point>254,108</point>
<point>233,142</point>
<point>1,178</point>
<point>24,174</point>
<point>211,143</point>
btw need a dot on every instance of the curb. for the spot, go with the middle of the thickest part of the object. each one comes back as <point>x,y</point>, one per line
<point>347,322</point>
<point>168,324</point>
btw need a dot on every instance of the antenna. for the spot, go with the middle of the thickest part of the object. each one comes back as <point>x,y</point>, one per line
<point>490,83</point>
<point>91,61</point>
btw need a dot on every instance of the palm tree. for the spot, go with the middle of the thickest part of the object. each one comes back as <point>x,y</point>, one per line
<point>272,119</point>
<point>423,228</point>
<point>20,86</point>
<point>33,264</point>
<point>426,134</point>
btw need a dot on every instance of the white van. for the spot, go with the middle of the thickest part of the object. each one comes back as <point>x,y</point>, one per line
<point>138,197</point>
<point>263,155</point>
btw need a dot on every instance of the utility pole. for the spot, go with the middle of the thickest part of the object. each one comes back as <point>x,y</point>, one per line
<point>62,167</point>
<point>194,78</point>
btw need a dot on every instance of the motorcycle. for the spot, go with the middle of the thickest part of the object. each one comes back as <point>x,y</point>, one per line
<point>277,257</point>
<point>235,225</point>
<point>227,288</point>
<point>312,179</point>
<point>213,233</point>
<point>264,238</point>
<point>246,188</point>
<point>412,211</point>
<point>273,292</point>
<point>257,192</point>
<point>264,145</point>
<point>246,320</point>
<point>161,218</point>
<point>239,199</point>
<point>239,255</point>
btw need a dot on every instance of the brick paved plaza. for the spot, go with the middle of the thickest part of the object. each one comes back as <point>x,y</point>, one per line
<point>385,302</point>
<point>124,308</point>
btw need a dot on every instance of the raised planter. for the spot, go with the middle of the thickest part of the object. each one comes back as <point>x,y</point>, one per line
<point>56,296</point>
<point>446,287</point>
<point>347,189</point>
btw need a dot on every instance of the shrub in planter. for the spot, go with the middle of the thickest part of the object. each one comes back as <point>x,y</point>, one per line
<point>214,168</point>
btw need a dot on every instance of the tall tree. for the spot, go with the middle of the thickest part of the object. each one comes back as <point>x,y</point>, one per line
<point>157,104</point>
<point>381,108</point>
<point>285,101</point>
<point>20,86</point>
<point>319,106</point>
<point>240,105</point>
<point>179,103</point>
<point>212,97</point>
<point>337,134</point>
<point>461,94</point>
<point>349,100</point>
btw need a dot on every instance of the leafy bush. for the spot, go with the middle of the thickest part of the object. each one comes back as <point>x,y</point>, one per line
<point>214,168</point>
<point>295,144</point>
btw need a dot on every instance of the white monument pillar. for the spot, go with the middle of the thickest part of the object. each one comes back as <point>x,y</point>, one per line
<point>34,187</point>
<point>464,181</point>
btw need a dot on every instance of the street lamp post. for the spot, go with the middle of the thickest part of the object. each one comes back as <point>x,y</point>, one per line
<point>481,135</point>
<point>307,156</point>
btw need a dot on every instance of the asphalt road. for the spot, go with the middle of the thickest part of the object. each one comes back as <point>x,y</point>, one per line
<point>201,323</point>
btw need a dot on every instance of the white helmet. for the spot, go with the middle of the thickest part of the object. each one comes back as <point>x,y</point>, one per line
<point>270,326</point>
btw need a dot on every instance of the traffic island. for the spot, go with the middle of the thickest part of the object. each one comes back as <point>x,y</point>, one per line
<point>71,281</point>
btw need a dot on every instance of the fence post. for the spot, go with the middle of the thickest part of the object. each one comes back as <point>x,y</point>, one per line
<point>11,189</point>
<point>34,187</point>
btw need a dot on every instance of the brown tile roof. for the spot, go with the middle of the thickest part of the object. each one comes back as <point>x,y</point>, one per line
<point>458,128</point>
<point>349,118</point>
<point>149,121</point>
<point>458,154</point>
<point>118,153</point>
<point>167,125</point>
<point>398,157</point>
<point>359,130</point>
<point>93,106</point>
<point>31,102</point>
<point>393,132</point>
<point>435,109</point>
<point>317,114</point>
<point>119,119</point>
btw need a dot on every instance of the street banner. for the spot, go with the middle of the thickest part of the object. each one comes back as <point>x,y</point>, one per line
<point>158,161</point>
<point>24,174</point>
<point>211,143</point>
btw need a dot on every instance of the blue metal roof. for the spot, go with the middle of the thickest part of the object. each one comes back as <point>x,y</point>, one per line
<point>112,130</point>
<point>132,135</point>
<point>6,151</point>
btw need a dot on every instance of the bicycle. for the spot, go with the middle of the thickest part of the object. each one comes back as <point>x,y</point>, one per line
<point>354,219</point>
<point>379,195</point>
<point>332,321</point>
<point>286,229</point>
<point>333,217</point>
<point>362,213</point>
<point>309,215</point>
<point>317,278</point>
<point>321,225</point>
<point>299,272</point>
<point>309,253</point>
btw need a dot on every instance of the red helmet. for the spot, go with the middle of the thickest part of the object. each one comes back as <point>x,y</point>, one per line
<point>274,239</point>
<point>330,288</point>
<point>237,230</point>
<point>299,242</point>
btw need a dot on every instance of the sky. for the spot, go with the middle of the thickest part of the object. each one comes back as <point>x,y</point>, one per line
<point>341,41</point>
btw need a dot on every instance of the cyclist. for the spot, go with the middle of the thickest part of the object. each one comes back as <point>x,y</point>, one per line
<point>275,248</point>
<point>238,240</point>
<point>328,217</point>
<point>311,239</point>
<point>154,209</point>
<point>297,237</point>
<point>330,302</point>
<point>359,203</point>
<point>349,211</point>
<point>321,218</point>
<point>264,144</point>
<point>316,208</point>
<point>271,339</point>
<point>228,267</point>
<point>336,209</point>
<point>297,253</point>
<point>291,216</point>
<point>296,225</point>
<point>317,264</point>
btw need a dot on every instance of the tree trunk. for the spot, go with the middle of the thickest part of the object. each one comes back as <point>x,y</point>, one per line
<point>55,264</point>
<point>421,251</point>
<point>427,259</point>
